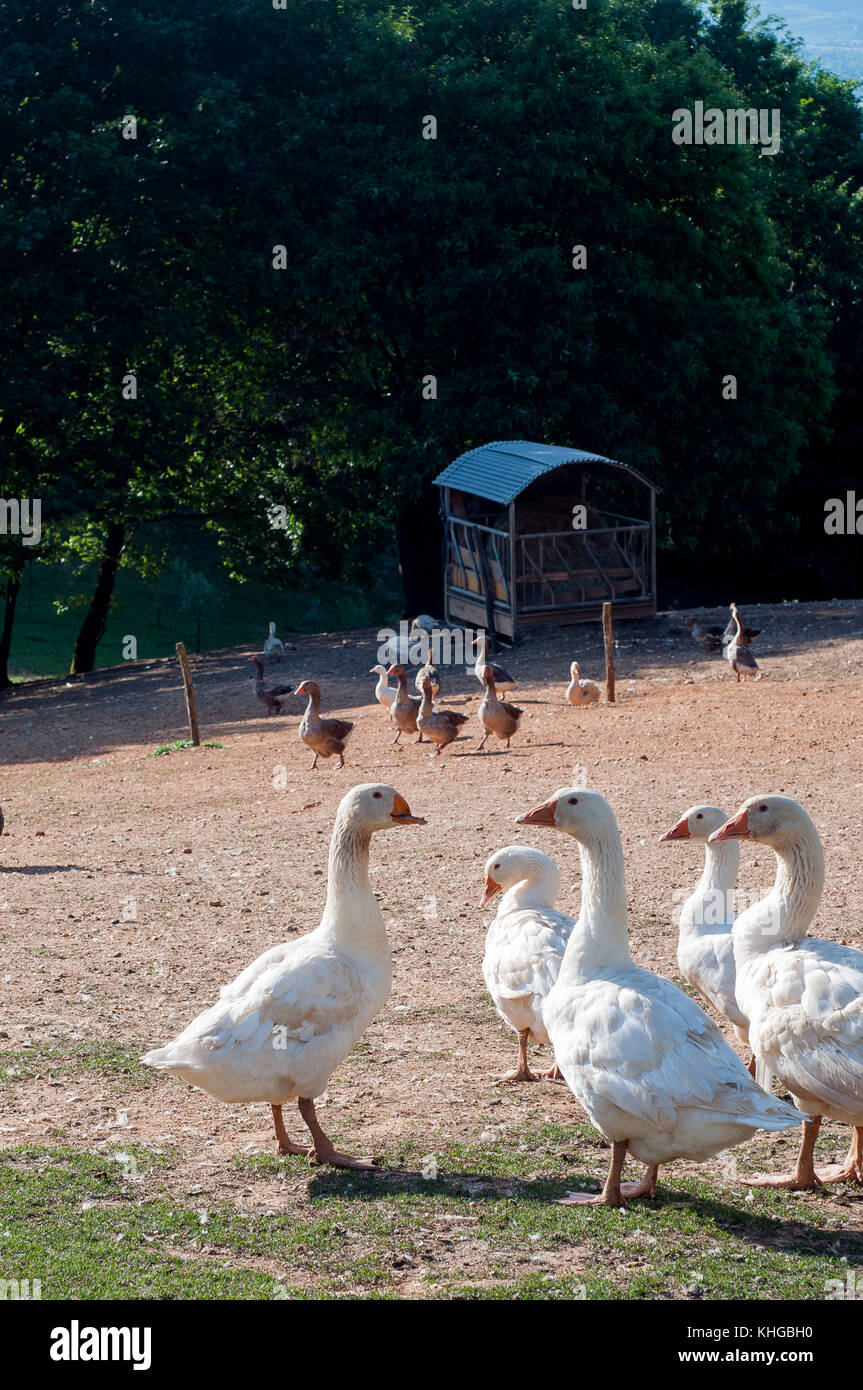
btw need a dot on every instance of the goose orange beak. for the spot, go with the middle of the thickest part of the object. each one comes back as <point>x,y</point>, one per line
<point>540,815</point>
<point>680,831</point>
<point>735,829</point>
<point>490,889</point>
<point>401,813</point>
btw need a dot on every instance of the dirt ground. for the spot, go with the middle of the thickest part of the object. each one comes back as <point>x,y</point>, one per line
<point>132,886</point>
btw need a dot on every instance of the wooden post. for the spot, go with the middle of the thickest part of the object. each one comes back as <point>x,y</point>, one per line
<point>653,595</point>
<point>189,692</point>
<point>608,636</point>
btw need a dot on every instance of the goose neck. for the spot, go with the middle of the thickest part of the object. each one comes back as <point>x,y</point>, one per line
<point>352,914</point>
<point>789,908</point>
<point>712,903</point>
<point>538,891</point>
<point>601,935</point>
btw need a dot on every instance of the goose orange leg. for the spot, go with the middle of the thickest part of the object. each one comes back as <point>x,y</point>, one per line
<point>285,1144</point>
<point>804,1178</point>
<point>615,1192</point>
<point>523,1071</point>
<point>323,1149</point>
<point>852,1169</point>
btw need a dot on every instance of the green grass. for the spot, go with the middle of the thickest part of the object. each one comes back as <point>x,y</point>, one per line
<point>54,599</point>
<point>486,1227</point>
<point>65,1058</point>
<point>177,746</point>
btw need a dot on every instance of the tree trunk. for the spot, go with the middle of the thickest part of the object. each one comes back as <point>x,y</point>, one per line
<point>93,627</point>
<point>13,584</point>
<point>419,543</point>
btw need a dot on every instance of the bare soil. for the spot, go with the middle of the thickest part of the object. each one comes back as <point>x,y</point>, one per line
<point>132,886</point>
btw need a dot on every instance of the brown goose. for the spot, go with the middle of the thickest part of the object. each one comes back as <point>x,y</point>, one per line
<point>747,634</point>
<point>738,656</point>
<point>405,708</point>
<point>502,679</point>
<point>324,736</point>
<point>269,696</point>
<point>496,716</point>
<point>441,725</point>
<point>708,638</point>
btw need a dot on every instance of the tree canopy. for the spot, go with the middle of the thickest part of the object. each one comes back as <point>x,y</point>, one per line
<point>281,258</point>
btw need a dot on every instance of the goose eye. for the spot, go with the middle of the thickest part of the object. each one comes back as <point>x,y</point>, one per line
<point>376,795</point>
<point>573,801</point>
<point>699,816</point>
<point>762,808</point>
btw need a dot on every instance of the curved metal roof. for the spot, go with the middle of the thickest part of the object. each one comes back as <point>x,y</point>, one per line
<point>500,471</point>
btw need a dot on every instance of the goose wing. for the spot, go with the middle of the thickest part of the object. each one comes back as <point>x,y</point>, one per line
<point>645,1048</point>
<point>812,1018</point>
<point>302,989</point>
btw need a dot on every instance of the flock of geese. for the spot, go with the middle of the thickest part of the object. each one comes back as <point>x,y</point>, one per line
<point>653,1073</point>
<point>733,641</point>
<point>419,714</point>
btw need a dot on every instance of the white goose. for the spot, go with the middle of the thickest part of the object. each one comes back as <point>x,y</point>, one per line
<point>502,679</point>
<point>705,950</point>
<point>384,692</point>
<point>524,945</point>
<point>581,692</point>
<point>274,646</point>
<point>803,996</point>
<point>651,1070</point>
<point>282,1027</point>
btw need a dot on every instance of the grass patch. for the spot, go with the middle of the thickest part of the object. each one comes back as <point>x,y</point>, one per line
<point>485,1228</point>
<point>54,599</point>
<point>108,1059</point>
<point>177,746</point>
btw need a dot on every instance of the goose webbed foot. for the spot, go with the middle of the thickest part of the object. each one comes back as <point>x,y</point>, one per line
<point>522,1071</point>
<point>804,1178</point>
<point>284,1144</point>
<point>852,1169</point>
<point>615,1192</point>
<point>323,1149</point>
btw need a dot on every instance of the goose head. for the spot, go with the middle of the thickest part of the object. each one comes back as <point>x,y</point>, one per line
<point>698,823</point>
<point>309,688</point>
<point>771,820</point>
<point>396,670</point>
<point>374,806</point>
<point>578,812</point>
<point>519,864</point>
<point>573,670</point>
<point>378,670</point>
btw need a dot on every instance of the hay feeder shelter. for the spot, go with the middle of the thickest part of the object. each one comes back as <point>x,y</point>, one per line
<point>534,533</point>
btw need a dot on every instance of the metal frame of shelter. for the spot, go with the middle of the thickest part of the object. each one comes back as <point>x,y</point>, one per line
<point>502,571</point>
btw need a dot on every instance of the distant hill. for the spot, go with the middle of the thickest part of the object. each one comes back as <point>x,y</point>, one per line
<point>831,30</point>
